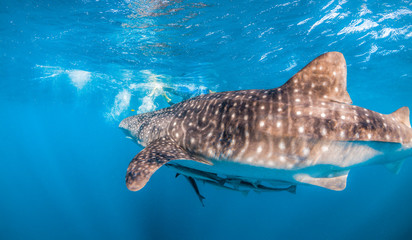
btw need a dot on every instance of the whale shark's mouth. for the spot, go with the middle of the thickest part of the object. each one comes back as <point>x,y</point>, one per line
<point>129,135</point>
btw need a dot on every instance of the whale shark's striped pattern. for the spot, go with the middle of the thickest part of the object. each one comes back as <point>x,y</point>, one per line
<point>305,131</point>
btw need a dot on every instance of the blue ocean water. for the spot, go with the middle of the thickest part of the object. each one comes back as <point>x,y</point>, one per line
<point>71,70</point>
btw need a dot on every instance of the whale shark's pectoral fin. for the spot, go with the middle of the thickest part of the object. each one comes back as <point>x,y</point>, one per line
<point>151,158</point>
<point>324,78</point>
<point>337,183</point>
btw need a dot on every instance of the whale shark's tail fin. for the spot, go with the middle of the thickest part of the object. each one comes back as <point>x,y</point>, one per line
<point>402,115</point>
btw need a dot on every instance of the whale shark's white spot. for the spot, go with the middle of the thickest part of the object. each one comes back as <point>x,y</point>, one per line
<point>281,145</point>
<point>301,129</point>
<point>79,78</point>
<point>305,151</point>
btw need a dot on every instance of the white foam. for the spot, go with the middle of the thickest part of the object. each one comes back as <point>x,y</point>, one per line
<point>292,64</point>
<point>331,15</point>
<point>358,25</point>
<point>304,21</point>
<point>364,10</point>
<point>79,78</point>
<point>395,15</point>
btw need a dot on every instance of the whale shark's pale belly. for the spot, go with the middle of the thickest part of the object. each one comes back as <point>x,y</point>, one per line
<point>334,161</point>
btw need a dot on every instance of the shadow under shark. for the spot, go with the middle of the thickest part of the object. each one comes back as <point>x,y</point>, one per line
<point>304,132</point>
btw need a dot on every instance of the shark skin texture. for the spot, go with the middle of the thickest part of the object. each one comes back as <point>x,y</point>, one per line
<point>304,132</point>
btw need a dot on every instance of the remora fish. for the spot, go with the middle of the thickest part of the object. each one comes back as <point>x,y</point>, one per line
<point>304,132</point>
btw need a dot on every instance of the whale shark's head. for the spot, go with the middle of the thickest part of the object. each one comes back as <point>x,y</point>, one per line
<point>144,128</point>
<point>134,128</point>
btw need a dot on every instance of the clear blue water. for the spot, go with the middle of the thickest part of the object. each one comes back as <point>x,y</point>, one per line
<point>71,70</point>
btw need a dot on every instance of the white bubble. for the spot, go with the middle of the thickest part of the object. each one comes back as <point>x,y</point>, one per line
<point>79,78</point>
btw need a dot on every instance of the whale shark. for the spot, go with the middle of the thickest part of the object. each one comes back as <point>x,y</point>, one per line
<point>305,132</point>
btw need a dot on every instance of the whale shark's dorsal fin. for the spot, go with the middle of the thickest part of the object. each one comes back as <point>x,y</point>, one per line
<point>402,115</point>
<point>324,78</point>
<point>151,158</point>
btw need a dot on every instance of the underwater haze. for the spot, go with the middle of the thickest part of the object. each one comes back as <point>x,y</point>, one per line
<point>72,70</point>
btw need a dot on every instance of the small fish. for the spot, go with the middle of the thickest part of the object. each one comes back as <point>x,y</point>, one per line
<point>194,185</point>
